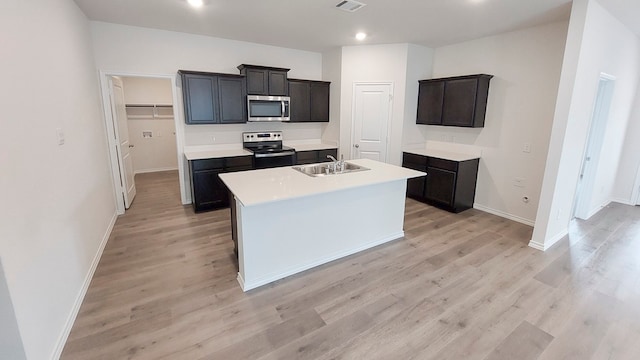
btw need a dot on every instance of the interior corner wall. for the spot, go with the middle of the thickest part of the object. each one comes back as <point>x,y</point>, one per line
<point>58,200</point>
<point>526,65</point>
<point>627,184</point>
<point>597,43</point>
<point>419,67</point>
<point>331,71</point>
<point>10,342</point>
<point>374,64</point>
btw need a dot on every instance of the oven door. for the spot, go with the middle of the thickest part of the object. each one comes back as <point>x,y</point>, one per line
<point>270,160</point>
<point>268,108</point>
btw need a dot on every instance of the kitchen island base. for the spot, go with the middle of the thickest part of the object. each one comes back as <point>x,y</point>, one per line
<point>281,238</point>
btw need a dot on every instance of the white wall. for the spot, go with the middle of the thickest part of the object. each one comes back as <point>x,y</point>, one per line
<point>159,152</point>
<point>419,67</point>
<point>10,342</point>
<point>57,200</point>
<point>147,90</point>
<point>526,67</point>
<point>374,63</point>
<point>627,184</point>
<point>332,71</point>
<point>597,42</point>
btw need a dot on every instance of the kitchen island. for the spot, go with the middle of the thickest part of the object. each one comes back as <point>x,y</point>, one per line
<point>288,222</point>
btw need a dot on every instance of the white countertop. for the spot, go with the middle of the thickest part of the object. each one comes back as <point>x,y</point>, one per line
<point>256,187</point>
<point>442,154</point>
<point>199,152</point>
<point>212,152</point>
<point>309,147</point>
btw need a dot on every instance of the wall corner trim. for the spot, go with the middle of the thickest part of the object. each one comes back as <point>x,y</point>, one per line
<point>62,340</point>
<point>552,241</point>
<point>536,245</point>
<point>503,214</point>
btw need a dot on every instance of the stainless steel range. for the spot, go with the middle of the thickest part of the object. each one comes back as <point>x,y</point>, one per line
<point>268,150</point>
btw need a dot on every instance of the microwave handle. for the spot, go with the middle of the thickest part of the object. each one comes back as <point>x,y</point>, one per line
<point>282,107</point>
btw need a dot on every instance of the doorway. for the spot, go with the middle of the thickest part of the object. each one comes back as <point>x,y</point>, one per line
<point>372,106</point>
<point>143,132</point>
<point>583,208</point>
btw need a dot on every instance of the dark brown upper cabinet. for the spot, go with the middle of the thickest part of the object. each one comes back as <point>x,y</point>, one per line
<point>213,98</point>
<point>309,100</point>
<point>263,80</point>
<point>454,101</point>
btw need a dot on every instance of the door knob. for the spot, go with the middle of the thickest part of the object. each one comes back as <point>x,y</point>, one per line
<point>356,146</point>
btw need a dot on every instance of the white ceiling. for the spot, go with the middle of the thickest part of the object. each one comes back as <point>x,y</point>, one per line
<point>316,25</point>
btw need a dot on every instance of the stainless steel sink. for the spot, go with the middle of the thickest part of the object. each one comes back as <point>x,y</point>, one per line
<point>324,169</point>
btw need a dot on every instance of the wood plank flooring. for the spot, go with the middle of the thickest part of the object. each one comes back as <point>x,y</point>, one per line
<point>458,286</point>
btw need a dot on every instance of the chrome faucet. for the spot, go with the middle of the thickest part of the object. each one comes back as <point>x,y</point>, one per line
<point>336,165</point>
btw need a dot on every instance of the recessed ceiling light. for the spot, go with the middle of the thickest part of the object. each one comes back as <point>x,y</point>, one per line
<point>361,36</point>
<point>195,3</point>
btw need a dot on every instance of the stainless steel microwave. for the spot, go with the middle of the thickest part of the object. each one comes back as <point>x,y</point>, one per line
<point>268,108</point>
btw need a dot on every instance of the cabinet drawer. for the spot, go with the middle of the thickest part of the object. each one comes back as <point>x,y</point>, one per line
<point>322,154</point>
<point>239,161</point>
<point>311,156</point>
<point>443,164</point>
<point>207,164</point>
<point>414,159</point>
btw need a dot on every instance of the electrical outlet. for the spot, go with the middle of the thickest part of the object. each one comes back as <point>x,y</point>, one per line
<point>526,147</point>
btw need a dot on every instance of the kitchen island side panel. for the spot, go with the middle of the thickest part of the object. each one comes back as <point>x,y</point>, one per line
<point>282,238</point>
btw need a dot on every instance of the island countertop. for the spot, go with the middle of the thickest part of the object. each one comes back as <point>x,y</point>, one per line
<point>256,187</point>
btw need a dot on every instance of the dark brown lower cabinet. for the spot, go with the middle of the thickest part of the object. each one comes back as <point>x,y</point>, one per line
<point>315,156</point>
<point>208,192</point>
<point>450,185</point>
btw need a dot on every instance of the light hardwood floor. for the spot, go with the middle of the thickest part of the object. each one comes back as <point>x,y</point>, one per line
<point>458,286</point>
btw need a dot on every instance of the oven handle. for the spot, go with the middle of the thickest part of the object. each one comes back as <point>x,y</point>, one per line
<point>286,153</point>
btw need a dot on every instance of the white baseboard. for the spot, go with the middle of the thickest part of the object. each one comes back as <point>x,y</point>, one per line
<point>504,214</point>
<point>144,171</point>
<point>623,201</point>
<point>552,241</point>
<point>62,340</point>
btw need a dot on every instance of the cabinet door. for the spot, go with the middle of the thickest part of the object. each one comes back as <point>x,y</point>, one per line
<point>323,154</point>
<point>200,94</point>
<point>306,157</point>
<point>299,107</point>
<point>430,99</point>
<point>440,186</point>
<point>278,83</point>
<point>257,81</point>
<point>415,187</point>
<point>459,102</point>
<point>209,191</point>
<point>233,104</point>
<point>319,93</point>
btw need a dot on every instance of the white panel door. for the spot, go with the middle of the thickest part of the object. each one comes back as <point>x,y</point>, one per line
<point>123,146</point>
<point>588,173</point>
<point>371,118</point>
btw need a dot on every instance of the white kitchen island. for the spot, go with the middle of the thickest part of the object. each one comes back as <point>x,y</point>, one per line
<point>288,222</point>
